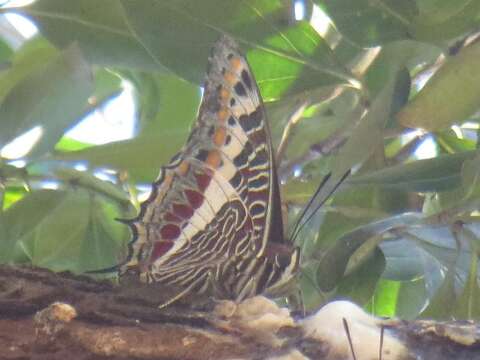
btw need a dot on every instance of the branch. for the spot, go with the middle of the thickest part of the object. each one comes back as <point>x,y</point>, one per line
<point>61,316</point>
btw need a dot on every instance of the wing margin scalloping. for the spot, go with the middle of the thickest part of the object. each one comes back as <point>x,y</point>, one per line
<point>228,157</point>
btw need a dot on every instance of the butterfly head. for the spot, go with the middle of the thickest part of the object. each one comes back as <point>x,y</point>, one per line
<point>285,263</point>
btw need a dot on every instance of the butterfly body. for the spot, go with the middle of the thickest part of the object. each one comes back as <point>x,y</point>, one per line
<point>212,223</point>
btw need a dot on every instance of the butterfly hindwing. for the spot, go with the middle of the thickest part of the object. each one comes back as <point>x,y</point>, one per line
<point>208,220</point>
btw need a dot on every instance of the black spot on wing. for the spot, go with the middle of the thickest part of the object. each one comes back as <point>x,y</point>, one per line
<point>202,155</point>
<point>246,79</point>
<point>251,121</point>
<point>240,89</point>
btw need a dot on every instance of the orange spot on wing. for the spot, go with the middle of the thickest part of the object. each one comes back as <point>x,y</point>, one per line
<point>213,159</point>
<point>162,187</point>
<point>230,78</point>
<point>219,136</point>
<point>222,115</point>
<point>224,94</point>
<point>236,63</point>
<point>183,167</point>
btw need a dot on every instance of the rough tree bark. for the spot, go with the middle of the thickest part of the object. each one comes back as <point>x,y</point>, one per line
<point>46,315</point>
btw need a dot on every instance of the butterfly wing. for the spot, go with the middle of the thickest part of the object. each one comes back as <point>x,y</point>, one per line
<point>214,207</point>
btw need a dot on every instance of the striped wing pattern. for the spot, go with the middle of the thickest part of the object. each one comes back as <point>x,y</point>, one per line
<point>213,221</point>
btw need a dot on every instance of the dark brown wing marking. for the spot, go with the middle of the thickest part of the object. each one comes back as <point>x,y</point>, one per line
<point>213,218</point>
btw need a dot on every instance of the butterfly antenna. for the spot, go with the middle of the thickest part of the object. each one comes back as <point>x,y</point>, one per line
<point>337,185</point>
<point>350,343</point>
<point>305,209</point>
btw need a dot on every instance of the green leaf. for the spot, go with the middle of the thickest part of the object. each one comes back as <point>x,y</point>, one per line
<point>441,305</point>
<point>32,56</point>
<point>370,23</point>
<point>168,104</point>
<point>334,261</point>
<point>450,96</point>
<point>90,182</point>
<point>164,128</point>
<point>412,297</point>
<point>468,304</point>
<point>436,174</point>
<point>106,85</point>
<point>384,301</point>
<point>78,232</point>
<point>360,285</point>
<point>138,34</point>
<point>404,262</point>
<point>99,29</point>
<point>471,176</point>
<point>367,136</point>
<point>52,97</point>
<point>12,195</point>
<point>6,52</point>
<point>445,19</point>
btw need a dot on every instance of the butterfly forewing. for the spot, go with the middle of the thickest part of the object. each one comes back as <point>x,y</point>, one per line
<point>215,209</point>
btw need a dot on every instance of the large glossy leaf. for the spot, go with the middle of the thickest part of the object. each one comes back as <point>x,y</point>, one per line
<point>359,286</point>
<point>33,55</point>
<point>88,181</point>
<point>170,105</point>
<point>374,23</point>
<point>471,176</point>
<point>52,97</point>
<point>283,56</point>
<point>436,174</point>
<point>444,19</point>
<point>98,27</point>
<point>450,96</point>
<point>167,105</point>
<point>371,23</point>
<point>468,304</point>
<point>77,232</point>
<point>441,305</point>
<point>384,301</point>
<point>178,35</point>
<point>404,261</point>
<point>334,261</point>
<point>412,298</point>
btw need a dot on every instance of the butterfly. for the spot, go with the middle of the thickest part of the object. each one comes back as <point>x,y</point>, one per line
<point>213,223</point>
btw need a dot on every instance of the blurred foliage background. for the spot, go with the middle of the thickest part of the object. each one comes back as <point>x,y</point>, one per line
<point>388,88</point>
